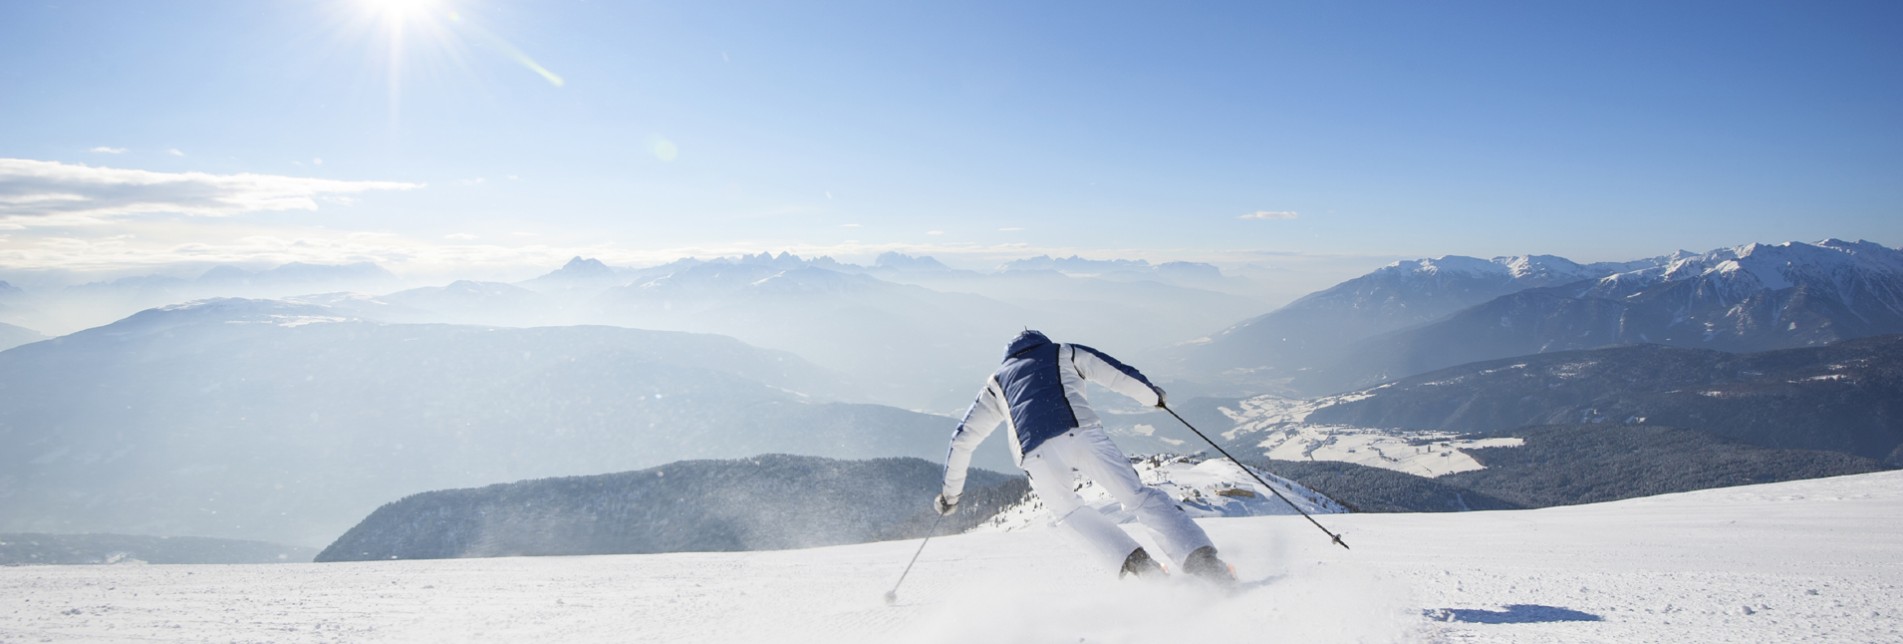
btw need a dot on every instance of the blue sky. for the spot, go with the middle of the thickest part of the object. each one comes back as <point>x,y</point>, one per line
<point>1327,138</point>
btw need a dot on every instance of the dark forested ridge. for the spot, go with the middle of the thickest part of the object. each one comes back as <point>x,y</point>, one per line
<point>1846,397</point>
<point>1572,464</point>
<point>1371,489</point>
<point>762,503</point>
<point>1616,423</point>
<point>1565,465</point>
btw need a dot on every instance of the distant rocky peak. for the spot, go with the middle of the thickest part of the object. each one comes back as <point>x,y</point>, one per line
<point>583,268</point>
<point>900,261</point>
<point>784,260</point>
<point>1076,264</point>
<point>585,264</point>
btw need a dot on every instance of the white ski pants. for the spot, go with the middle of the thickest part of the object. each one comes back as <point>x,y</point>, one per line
<point>1089,451</point>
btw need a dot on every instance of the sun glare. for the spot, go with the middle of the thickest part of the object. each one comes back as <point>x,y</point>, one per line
<point>423,38</point>
<point>399,9</point>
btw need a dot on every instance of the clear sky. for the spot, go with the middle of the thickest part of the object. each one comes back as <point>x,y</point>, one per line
<point>463,136</point>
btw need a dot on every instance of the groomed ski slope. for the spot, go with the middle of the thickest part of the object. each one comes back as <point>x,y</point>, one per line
<point>1814,560</point>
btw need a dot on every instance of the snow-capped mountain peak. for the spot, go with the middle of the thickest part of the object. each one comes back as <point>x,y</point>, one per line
<point>900,261</point>
<point>585,266</point>
<point>1533,269</point>
<point>1831,264</point>
<point>580,273</point>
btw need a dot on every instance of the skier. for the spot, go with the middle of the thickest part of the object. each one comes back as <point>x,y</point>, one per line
<point>1038,393</point>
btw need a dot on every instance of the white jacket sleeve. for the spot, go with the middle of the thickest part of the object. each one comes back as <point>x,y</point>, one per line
<point>1104,370</point>
<point>983,418</point>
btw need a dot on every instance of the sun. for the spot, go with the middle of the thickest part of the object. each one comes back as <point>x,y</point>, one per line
<point>399,10</point>
<point>421,40</point>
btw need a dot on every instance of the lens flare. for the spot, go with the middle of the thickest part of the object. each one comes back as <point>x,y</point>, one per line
<point>664,149</point>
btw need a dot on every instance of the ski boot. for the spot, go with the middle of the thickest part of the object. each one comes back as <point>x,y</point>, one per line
<point>1140,564</point>
<point>1204,565</point>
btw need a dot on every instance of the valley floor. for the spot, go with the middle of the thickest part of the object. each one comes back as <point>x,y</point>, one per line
<point>1803,561</point>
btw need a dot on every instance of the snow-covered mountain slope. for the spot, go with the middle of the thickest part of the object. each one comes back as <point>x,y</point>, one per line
<point>1316,328</point>
<point>1203,488</point>
<point>1801,561</point>
<point>1750,298</point>
<point>1413,317</point>
<point>1278,428</point>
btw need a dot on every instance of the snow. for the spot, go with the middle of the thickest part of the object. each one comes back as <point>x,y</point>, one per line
<point>1428,454</point>
<point>1272,409</point>
<point>1814,560</point>
<point>1204,489</point>
<point>1741,271</point>
<point>1279,427</point>
<point>1531,269</point>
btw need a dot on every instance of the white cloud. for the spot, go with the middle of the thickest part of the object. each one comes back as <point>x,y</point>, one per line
<point>459,237</point>
<point>851,225</point>
<point>317,160</point>
<point>108,150</point>
<point>1011,229</point>
<point>175,152</point>
<point>935,233</point>
<point>50,192</point>
<point>1271,215</point>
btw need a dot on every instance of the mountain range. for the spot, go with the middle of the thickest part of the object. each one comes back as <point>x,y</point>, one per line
<point>910,331</point>
<point>58,310</point>
<point>1467,379</point>
<point>282,421</point>
<point>1412,317</point>
<point>920,335</point>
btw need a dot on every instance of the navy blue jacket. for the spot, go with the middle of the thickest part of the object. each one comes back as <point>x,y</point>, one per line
<point>1038,393</point>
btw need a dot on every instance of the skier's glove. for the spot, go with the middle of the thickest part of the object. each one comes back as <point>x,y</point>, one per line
<point>1162,397</point>
<point>945,505</point>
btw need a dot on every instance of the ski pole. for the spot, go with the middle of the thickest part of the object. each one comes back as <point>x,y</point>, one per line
<point>1258,479</point>
<point>893,595</point>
